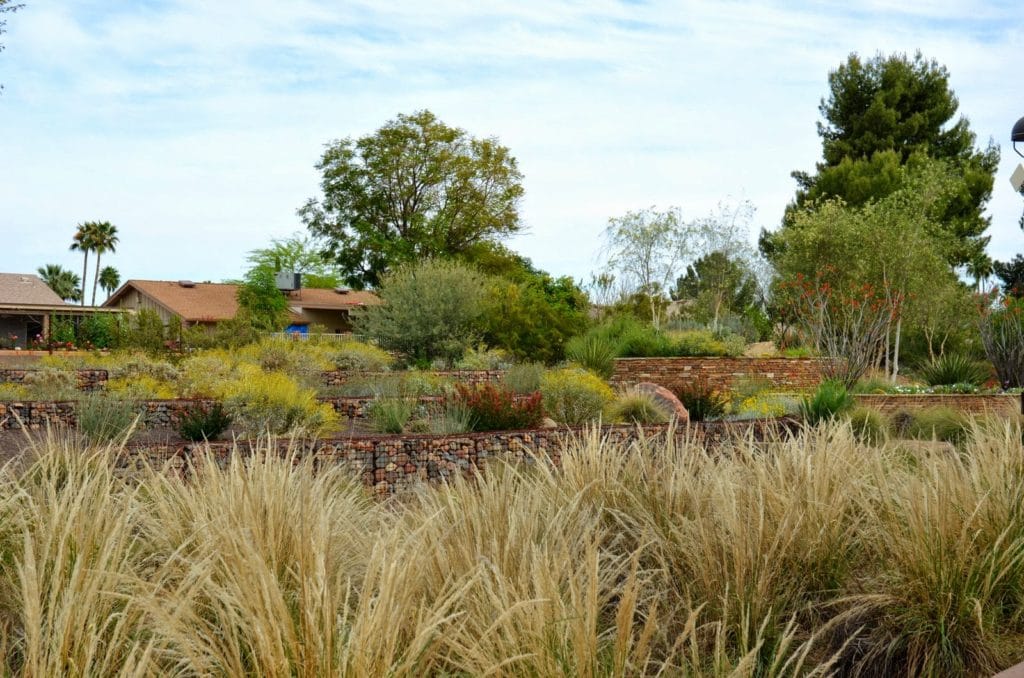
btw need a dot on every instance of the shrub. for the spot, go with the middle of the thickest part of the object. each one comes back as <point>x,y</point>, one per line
<point>273,402</point>
<point>145,331</point>
<point>829,400</point>
<point>938,423</point>
<point>452,418</point>
<point>523,378</point>
<point>51,383</point>
<point>574,396</point>
<point>357,356</point>
<point>495,409</point>
<point>701,401</point>
<point>1002,335</point>
<point>142,387</point>
<point>761,406</point>
<point>704,343</point>
<point>102,417</point>
<point>132,365</point>
<point>634,407</point>
<point>199,423</point>
<point>594,352</point>
<point>302,362</point>
<point>100,330</point>
<point>390,414</point>
<point>869,425</point>
<point>431,310</point>
<point>12,392</point>
<point>954,368</point>
<point>645,341</point>
<point>483,358</point>
<point>872,385</point>
<point>205,374</point>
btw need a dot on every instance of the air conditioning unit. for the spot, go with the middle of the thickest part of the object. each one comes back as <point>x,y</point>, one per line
<point>288,281</point>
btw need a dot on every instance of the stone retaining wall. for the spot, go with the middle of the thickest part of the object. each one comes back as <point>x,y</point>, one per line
<point>342,377</point>
<point>1002,404</point>
<point>392,463</point>
<point>797,374</point>
<point>36,415</point>
<point>88,380</point>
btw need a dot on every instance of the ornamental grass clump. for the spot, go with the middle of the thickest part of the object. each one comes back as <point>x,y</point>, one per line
<point>955,368</point>
<point>51,383</point>
<point>492,408</point>
<point>701,400</point>
<point>103,418</point>
<point>635,407</point>
<point>830,400</point>
<point>593,351</point>
<point>523,378</point>
<point>575,396</point>
<point>390,414</point>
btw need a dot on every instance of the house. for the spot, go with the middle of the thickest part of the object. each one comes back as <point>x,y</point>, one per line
<point>209,303</point>
<point>27,307</point>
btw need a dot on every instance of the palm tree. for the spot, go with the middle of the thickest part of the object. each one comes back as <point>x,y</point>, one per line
<point>104,239</point>
<point>62,281</point>
<point>82,242</point>
<point>110,279</point>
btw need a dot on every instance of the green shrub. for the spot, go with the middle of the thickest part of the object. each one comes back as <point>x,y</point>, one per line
<point>51,383</point>
<point>142,387</point>
<point>205,374</point>
<point>704,343</point>
<point>431,310</point>
<point>495,409</point>
<point>938,423</point>
<point>647,342</point>
<point>483,358</point>
<point>199,424</point>
<point>145,331</point>
<point>523,378</point>
<point>594,352</point>
<point>357,356</point>
<point>12,392</point>
<point>574,396</point>
<point>702,402</point>
<point>390,414</point>
<point>761,406</point>
<point>103,418</point>
<point>129,366</point>
<point>100,330</point>
<point>635,407</point>
<point>868,425</point>
<point>272,402</point>
<point>955,368</point>
<point>829,400</point>
<point>872,385</point>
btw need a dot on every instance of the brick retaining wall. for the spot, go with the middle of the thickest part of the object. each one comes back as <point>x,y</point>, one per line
<point>88,380</point>
<point>782,373</point>
<point>1003,404</point>
<point>392,463</point>
<point>36,415</point>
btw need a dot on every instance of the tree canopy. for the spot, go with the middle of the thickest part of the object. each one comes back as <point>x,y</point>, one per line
<point>883,120</point>
<point>299,254</point>
<point>415,188</point>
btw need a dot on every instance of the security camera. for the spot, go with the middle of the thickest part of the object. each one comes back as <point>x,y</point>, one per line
<point>1017,179</point>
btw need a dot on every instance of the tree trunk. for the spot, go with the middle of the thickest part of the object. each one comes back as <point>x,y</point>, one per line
<point>95,278</point>
<point>896,349</point>
<point>85,270</point>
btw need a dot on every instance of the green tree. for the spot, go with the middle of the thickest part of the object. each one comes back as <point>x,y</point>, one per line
<point>82,242</point>
<point>717,284</point>
<point>1011,275</point>
<point>261,301</point>
<point>299,254</point>
<point>431,310</point>
<point>888,114</point>
<point>645,249</point>
<point>415,188</point>
<point>63,282</point>
<point>109,279</point>
<point>104,239</point>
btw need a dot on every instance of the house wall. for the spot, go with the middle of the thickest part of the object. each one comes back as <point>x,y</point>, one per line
<point>335,320</point>
<point>14,325</point>
<point>134,300</point>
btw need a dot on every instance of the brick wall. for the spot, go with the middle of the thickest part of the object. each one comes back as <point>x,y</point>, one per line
<point>342,377</point>
<point>781,373</point>
<point>88,380</point>
<point>1003,404</point>
<point>391,463</point>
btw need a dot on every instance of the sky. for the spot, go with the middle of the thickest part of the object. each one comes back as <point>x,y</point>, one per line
<point>194,126</point>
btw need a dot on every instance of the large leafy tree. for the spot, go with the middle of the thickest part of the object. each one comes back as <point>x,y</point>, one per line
<point>716,284</point>
<point>888,114</point>
<point>415,188</point>
<point>62,281</point>
<point>299,254</point>
<point>260,302</point>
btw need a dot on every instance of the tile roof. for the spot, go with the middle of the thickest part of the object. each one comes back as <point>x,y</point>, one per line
<point>26,288</point>
<point>327,299</point>
<point>202,302</point>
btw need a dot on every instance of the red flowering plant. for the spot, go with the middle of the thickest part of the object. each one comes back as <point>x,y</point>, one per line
<point>847,321</point>
<point>1001,322</point>
<point>497,409</point>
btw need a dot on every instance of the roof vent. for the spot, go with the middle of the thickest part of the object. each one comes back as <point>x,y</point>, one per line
<point>342,290</point>
<point>186,283</point>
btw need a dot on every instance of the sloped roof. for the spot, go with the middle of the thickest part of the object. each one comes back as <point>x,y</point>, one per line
<point>328,299</point>
<point>200,302</point>
<point>26,288</point>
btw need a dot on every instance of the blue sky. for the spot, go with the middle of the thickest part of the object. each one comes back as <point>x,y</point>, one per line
<point>194,126</point>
